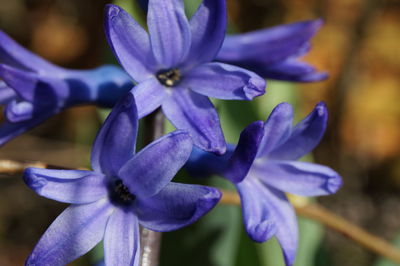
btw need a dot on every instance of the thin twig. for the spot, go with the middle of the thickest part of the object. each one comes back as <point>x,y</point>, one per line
<point>318,213</point>
<point>310,210</point>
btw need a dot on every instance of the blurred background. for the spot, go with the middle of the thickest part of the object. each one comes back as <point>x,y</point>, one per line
<point>358,46</point>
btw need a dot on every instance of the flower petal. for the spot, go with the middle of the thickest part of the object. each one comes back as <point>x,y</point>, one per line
<point>285,221</point>
<point>75,231</point>
<point>13,54</point>
<point>245,152</point>
<point>195,114</point>
<point>149,95</point>
<point>305,136</point>
<point>19,111</point>
<point>224,81</point>
<point>169,31</point>
<point>70,186</point>
<point>121,239</point>
<point>154,166</point>
<point>41,90</point>
<point>208,27</point>
<point>277,128</point>
<point>302,178</point>
<point>267,46</point>
<point>176,206</point>
<point>129,42</point>
<point>115,143</point>
<point>258,220</point>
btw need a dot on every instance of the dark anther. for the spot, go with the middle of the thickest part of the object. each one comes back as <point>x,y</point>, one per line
<point>169,77</point>
<point>121,192</point>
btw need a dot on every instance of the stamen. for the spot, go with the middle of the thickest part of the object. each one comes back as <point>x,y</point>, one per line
<point>169,77</point>
<point>120,193</point>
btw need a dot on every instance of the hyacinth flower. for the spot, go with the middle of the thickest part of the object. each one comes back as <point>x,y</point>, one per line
<point>172,65</point>
<point>274,52</point>
<point>123,190</point>
<point>33,89</point>
<point>263,166</point>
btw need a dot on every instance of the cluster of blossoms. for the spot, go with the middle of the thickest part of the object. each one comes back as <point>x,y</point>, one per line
<point>174,66</point>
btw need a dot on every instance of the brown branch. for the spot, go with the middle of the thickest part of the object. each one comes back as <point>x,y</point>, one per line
<point>319,213</point>
<point>310,210</point>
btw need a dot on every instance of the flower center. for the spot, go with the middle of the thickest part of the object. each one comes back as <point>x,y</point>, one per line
<point>169,77</point>
<point>119,193</point>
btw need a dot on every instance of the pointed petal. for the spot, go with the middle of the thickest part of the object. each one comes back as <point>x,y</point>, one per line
<point>305,136</point>
<point>75,231</point>
<point>245,152</point>
<point>116,141</point>
<point>69,186</point>
<point>224,81</point>
<point>208,27</point>
<point>267,46</point>
<point>13,54</point>
<point>41,90</point>
<point>277,128</point>
<point>121,239</point>
<point>129,42</point>
<point>155,166</point>
<point>176,206</point>
<point>169,31</point>
<point>302,178</point>
<point>258,219</point>
<point>195,114</point>
<point>149,95</point>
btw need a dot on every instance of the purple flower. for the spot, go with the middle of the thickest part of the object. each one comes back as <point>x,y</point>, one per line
<point>34,89</point>
<point>264,166</point>
<point>124,190</point>
<point>173,68</point>
<point>274,52</point>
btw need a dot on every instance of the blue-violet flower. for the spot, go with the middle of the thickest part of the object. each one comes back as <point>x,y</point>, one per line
<point>123,190</point>
<point>33,89</point>
<point>173,68</point>
<point>263,167</point>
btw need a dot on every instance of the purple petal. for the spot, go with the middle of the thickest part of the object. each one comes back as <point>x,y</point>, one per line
<point>305,136</point>
<point>224,81</point>
<point>195,114</point>
<point>13,54</point>
<point>208,27</point>
<point>285,221</point>
<point>6,93</point>
<point>19,111</point>
<point>115,143</point>
<point>245,152</point>
<point>277,128</point>
<point>176,206</point>
<point>292,70</point>
<point>129,42</point>
<point>70,186</point>
<point>35,88</point>
<point>155,166</point>
<point>75,231</point>
<point>302,178</point>
<point>267,46</point>
<point>169,31</point>
<point>258,219</point>
<point>121,239</point>
<point>149,95</point>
